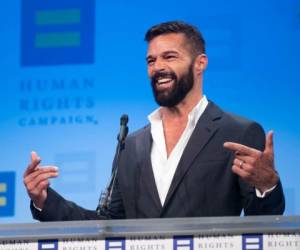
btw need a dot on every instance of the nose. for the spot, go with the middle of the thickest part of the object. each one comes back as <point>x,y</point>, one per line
<point>159,65</point>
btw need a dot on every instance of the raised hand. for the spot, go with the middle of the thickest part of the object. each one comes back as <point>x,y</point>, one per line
<point>36,180</point>
<point>254,166</point>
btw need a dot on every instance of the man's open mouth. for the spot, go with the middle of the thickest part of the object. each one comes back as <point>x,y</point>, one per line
<point>164,80</point>
<point>163,83</point>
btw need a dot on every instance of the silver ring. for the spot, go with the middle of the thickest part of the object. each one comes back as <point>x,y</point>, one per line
<point>241,164</point>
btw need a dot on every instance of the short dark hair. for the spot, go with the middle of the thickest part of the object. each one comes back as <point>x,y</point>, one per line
<point>193,35</point>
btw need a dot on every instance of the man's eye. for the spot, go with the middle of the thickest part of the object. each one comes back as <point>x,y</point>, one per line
<point>150,61</point>
<point>170,57</point>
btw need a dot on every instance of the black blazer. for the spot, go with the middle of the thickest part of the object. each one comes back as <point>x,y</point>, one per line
<point>203,184</point>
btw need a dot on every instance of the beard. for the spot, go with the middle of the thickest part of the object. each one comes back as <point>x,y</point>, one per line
<point>178,91</point>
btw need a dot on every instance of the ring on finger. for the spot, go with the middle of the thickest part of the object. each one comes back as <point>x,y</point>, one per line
<point>241,164</point>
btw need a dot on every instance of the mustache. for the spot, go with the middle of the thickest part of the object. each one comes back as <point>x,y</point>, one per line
<point>162,74</point>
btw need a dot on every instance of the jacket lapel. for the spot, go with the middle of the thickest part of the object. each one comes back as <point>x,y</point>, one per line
<point>144,144</point>
<point>204,130</point>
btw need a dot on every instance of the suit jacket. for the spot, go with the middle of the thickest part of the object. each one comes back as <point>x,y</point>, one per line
<point>203,184</point>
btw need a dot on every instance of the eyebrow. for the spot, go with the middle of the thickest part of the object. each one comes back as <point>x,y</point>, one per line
<point>164,53</point>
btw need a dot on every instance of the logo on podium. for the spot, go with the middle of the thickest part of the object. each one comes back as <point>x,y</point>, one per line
<point>183,242</point>
<point>252,241</point>
<point>48,245</point>
<point>115,244</point>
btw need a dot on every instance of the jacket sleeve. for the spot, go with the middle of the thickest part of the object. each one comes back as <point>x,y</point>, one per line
<point>57,208</point>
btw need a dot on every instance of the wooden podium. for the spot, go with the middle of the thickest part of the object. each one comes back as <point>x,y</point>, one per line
<point>215,233</point>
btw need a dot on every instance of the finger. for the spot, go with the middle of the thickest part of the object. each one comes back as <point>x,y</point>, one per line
<point>33,155</point>
<point>269,143</point>
<point>33,184</point>
<point>242,149</point>
<point>35,161</point>
<point>244,166</point>
<point>241,172</point>
<point>40,171</point>
<point>31,168</point>
<point>247,159</point>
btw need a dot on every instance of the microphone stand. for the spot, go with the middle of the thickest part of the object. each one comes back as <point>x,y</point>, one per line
<point>105,196</point>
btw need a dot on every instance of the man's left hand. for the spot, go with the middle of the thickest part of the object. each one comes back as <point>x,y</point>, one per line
<point>254,166</point>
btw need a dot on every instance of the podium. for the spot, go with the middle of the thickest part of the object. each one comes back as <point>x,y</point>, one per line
<point>233,233</point>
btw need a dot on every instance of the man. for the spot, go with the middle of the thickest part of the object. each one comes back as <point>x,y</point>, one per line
<point>192,160</point>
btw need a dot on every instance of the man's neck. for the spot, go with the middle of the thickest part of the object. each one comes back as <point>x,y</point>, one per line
<point>175,120</point>
<point>180,111</point>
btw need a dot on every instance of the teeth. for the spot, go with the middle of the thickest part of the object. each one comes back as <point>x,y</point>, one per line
<point>164,80</point>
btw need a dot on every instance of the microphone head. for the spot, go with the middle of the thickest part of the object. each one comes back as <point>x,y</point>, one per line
<point>124,119</point>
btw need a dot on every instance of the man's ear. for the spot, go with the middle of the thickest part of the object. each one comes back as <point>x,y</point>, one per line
<point>200,63</point>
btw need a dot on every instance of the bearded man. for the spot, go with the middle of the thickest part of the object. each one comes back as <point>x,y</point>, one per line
<point>193,159</point>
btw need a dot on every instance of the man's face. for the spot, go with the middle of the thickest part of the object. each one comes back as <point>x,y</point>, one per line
<point>170,68</point>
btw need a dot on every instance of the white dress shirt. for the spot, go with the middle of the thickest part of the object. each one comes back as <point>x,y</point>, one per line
<point>164,167</point>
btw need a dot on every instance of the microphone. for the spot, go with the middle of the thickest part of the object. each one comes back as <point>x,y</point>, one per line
<point>105,196</point>
<point>123,128</point>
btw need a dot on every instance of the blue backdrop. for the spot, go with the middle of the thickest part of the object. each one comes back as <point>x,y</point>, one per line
<point>70,68</point>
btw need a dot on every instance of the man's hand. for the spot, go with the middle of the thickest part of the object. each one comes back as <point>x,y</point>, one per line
<point>254,166</point>
<point>36,180</point>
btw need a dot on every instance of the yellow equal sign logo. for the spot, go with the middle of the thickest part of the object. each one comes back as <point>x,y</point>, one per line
<point>3,189</point>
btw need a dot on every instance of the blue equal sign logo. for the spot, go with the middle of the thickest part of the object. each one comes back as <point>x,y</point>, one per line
<point>115,244</point>
<point>48,245</point>
<point>57,32</point>
<point>183,242</point>
<point>252,241</point>
<point>7,193</point>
